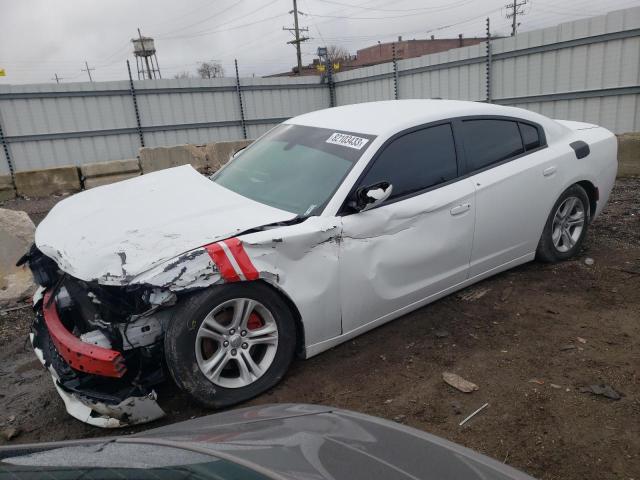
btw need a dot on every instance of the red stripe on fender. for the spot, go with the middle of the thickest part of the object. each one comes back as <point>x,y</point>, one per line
<point>243,260</point>
<point>218,256</point>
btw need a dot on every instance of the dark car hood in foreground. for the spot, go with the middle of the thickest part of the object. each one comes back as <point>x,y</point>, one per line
<point>315,442</point>
<point>285,441</point>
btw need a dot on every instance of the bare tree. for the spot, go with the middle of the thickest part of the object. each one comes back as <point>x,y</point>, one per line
<point>183,74</point>
<point>210,69</point>
<point>337,53</point>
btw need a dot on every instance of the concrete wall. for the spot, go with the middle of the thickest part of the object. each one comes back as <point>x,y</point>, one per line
<point>103,173</point>
<point>629,155</point>
<point>204,158</point>
<point>7,191</point>
<point>50,181</point>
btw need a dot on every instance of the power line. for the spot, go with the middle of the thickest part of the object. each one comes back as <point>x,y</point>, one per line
<point>57,78</point>
<point>167,35</point>
<point>432,9</point>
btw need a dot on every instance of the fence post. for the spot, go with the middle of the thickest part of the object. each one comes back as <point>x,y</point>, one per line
<point>242,121</point>
<point>489,63</point>
<point>7,154</point>
<point>132,89</point>
<point>330,83</point>
<point>395,70</point>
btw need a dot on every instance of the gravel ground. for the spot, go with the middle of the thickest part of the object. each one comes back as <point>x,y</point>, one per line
<point>532,338</point>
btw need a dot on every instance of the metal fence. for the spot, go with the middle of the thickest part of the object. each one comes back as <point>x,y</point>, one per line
<point>586,70</point>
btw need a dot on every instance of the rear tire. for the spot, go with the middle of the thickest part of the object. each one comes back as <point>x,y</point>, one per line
<point>229,343</point>
<point>566,226</point>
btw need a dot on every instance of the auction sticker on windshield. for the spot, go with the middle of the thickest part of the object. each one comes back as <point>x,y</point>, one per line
<point>345,140</point>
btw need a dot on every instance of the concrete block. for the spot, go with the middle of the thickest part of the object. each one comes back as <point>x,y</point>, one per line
<point>113,167</point>
<point>99,181</point>
<point>16,236</point>
<point>42,183</point>
<point>629,155</point>
<point>159,158</point>
<point>7,192</point>
<point>103,173</point>
<point>219,153</point>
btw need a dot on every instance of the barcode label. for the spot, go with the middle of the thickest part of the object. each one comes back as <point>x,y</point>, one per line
<point>345,140</point>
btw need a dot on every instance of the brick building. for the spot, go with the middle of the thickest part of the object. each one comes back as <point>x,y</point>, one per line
<point>383,52</point>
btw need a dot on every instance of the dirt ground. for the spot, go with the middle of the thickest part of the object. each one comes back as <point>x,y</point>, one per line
<point>531,338</point>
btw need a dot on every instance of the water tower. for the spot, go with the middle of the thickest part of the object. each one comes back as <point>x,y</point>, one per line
<point>145,52</point>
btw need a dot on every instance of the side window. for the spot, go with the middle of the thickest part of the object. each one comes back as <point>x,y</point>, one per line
<point>530,136</point>
<point>416,161</point>
<point>490,141</point>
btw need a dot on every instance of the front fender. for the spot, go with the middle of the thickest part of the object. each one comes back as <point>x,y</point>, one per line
<point>190,271</point>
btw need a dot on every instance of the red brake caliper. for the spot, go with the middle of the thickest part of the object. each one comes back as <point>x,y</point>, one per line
<point>254,322</point>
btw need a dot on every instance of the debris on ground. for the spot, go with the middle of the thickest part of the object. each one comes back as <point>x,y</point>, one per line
<point>16,236</point>
<point>457,408</point>
<point>10,433</point>
<point>506,293</point>
<point>536,381</point>
<point>473,414</point>
<point>399,418</point>
<point>555,385</point>
<point>459,383</point>
<point>441,333</point>
<point>603,390</point>
<point>581,340</point>
<point>589,261</point>
<point>569,346</point>
<point>474,294</point>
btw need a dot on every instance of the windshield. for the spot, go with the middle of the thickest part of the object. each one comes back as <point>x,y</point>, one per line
<point>294,168</point>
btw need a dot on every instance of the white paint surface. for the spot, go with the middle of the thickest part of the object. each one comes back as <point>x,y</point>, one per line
<point>116,232</point>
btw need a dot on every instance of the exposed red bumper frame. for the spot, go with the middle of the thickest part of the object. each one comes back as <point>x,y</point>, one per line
<point>81,356</point>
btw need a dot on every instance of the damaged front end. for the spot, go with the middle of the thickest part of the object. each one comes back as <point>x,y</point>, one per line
<point>103,345</point>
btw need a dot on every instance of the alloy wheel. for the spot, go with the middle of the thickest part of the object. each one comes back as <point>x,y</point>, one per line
<point>236,343</point>
<point>568,223</point>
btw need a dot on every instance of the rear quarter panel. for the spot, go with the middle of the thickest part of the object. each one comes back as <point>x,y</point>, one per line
<point>599,167</point>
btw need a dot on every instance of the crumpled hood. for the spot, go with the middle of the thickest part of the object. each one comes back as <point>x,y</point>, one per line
<point>115,232</point>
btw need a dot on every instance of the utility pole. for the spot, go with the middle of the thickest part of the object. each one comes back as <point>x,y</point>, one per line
<point>57,78</point>
<point>515,11</point>
<point>88,70</point>
<point>296,32</point>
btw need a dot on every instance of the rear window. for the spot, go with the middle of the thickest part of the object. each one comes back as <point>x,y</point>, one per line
<point>490,141</point>
<point>530,136</point>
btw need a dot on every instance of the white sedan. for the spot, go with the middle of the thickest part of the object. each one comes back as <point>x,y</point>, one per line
<point>329,225</point>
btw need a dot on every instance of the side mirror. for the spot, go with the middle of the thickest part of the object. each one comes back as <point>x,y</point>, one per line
<point>372,196</point>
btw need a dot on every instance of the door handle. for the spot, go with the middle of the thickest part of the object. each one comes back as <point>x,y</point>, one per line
<point>458,209</point>
<point>547,172</point>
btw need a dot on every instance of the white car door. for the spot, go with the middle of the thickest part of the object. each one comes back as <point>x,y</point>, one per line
<point>515,178</point>
<point>417,243</point>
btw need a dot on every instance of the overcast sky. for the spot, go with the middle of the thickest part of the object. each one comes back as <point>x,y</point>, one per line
<point>40,38</point>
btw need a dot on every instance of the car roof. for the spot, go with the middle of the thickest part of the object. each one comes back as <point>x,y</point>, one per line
<point>385,118</point>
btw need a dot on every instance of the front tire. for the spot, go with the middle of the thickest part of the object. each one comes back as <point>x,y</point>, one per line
<point>229,343</point>
<point>566,226</point>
